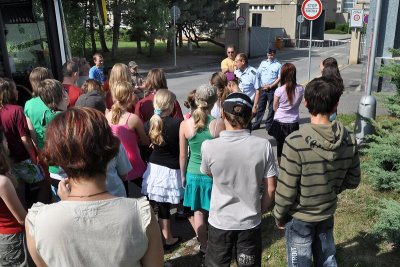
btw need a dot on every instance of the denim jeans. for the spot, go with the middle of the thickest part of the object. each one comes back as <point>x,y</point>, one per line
<point>304,239</point>
<point>13,250</point>
<point>247,244</point>
<point>266,97</point>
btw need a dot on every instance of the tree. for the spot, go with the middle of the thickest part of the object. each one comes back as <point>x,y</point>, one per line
<point>203,20</point>
<point>148,20</point>
<point>80,19</point>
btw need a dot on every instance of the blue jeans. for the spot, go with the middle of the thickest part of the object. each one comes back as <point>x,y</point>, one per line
<point>266,97</point>
<point>304,239</point>
<point>13,250</point>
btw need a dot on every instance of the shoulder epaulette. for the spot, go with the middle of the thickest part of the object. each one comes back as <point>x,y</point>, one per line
<point>254,72</point>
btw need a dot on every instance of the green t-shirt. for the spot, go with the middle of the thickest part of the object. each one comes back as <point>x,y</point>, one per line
<point>40,116</point>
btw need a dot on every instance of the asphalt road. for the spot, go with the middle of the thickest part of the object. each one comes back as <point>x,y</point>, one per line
<point>183,82</point>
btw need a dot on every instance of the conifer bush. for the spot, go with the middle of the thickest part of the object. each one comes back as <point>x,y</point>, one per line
<point>382,164</point>
<point>392,71</point>
<point>388,225</point>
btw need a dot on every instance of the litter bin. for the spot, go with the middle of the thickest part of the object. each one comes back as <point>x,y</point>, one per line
<point>278,43</point>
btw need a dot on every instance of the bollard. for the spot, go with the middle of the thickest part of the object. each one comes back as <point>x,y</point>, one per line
<point>366,111</point>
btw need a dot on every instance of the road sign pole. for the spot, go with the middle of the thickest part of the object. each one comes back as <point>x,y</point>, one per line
<point>309,52</point>
<point>174,38</point>
<point>298,45</point>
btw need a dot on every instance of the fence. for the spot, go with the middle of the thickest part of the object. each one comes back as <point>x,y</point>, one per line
<point>303,43</point>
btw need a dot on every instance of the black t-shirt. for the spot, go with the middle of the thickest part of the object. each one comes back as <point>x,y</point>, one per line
<point>167,155</point>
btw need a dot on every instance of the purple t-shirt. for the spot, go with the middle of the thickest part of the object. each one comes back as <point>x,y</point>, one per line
<point>286,112</point>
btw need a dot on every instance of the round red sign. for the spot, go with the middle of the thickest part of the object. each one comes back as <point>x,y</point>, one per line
<point>241,21</point>
<point>311,9</point>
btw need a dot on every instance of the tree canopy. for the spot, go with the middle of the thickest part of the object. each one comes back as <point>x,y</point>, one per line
<point>200,20</point>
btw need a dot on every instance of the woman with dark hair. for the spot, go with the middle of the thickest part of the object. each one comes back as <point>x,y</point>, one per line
<point>190,103</point>
<point>12,214</point>
<point>89,226</point>
<point>22,151</point>
<point>330,70</point>
<point>328,62</point>
<point>287,99</point>
<point>219,80</point>
<point>155,81</point>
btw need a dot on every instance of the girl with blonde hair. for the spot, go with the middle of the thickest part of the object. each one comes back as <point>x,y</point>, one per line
<point>128,128</point>
<point>192,133</point>
<point>119,73</point>
<point>162,180</point>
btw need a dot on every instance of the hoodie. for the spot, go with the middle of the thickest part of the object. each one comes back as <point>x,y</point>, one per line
<point>318,162</point>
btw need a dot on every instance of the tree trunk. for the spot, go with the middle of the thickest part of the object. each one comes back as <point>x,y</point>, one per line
<point>84,33</point>
<point>151,43</point>
<point>139,45</point>
<point>170,44</point>
<point>102,39</point>
<point>117,24</point>
<point>91,29</point>
<point>180,35</point>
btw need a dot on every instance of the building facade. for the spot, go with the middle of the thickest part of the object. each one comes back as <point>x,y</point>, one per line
<point>283,13</point>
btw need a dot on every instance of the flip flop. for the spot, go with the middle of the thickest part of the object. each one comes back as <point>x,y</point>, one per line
<point>171,246</point>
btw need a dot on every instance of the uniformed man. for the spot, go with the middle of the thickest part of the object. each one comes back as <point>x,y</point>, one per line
<point>269,72</point>
<point>227,65</point>
<point>249,82</point>
<point>137,80</point>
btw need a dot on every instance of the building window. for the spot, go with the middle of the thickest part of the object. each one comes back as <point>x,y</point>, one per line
<point>348,5</point>
<point>256,20</point>
<point>262,8</point>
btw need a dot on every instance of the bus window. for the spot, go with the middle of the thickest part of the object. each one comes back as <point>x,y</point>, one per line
<point>26,38</point>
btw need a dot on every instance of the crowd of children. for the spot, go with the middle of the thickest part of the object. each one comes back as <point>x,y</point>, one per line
<point>82,148</point>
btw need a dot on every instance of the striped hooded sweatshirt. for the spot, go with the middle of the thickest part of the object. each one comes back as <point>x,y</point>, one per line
<point>318,162</point>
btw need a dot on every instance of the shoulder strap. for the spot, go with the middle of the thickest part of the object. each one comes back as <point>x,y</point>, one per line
<point>127,119</point>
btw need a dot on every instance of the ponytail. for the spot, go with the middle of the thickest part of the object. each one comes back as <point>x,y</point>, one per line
<point>122,94</point>
<point>205,98</point>
<point>116,112</point>
<point>156,129</point>
<point>200,116</point>
<point>163,104</point>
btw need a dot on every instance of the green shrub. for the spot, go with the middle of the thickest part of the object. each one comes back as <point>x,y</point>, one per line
<point>330,24</point>
<point>334,31</point>
<point>382,164</point>
<point>392,70</point>
<point>344,27</point>
<point>388,224</point>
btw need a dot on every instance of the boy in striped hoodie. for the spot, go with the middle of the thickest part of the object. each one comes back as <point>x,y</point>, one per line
<point>318,162</point>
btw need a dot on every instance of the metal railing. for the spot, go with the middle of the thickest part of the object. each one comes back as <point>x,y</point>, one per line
<point>303,43</point>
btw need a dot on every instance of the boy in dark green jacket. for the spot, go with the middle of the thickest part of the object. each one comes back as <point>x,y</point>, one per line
<point>318,162</point>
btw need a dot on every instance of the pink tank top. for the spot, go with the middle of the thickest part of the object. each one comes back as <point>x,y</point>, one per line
<point>129,139</point>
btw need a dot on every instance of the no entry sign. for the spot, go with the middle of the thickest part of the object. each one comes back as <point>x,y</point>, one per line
<point>356,18</point>
<point>311,9</point>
